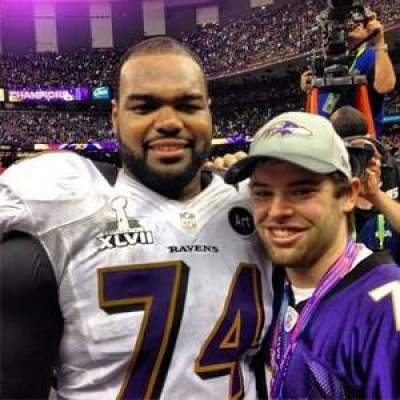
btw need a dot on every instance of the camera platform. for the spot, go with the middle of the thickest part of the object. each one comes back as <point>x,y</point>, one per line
<point>338,83</point>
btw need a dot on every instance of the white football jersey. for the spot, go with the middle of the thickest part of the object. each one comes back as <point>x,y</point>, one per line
<point>161,298</point>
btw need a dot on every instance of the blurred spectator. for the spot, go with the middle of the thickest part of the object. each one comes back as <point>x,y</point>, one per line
<point>377,217</point>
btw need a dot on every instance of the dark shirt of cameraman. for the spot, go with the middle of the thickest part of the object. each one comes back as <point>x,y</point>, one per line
<point>371,58</point>
<point>377,216</point>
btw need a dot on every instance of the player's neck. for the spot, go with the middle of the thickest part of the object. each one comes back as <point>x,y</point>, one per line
<point>197,185</point>
<point>310,277</point>
<point>192,189</point>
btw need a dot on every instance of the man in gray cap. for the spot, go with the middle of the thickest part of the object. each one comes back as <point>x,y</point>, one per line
<point>334,317</point>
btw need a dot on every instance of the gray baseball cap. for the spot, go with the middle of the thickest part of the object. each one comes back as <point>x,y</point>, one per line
<point>304,139</point>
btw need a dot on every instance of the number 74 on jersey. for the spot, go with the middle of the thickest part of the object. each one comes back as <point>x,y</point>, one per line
<point>159,290</point>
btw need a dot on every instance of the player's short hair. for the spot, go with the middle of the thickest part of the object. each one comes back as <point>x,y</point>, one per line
<point>157,46</point>
<point>342,185</point>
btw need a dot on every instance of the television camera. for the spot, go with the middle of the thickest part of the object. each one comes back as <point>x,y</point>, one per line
<point>334,24</point>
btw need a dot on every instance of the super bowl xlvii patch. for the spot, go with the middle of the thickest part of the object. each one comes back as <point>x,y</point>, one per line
<point>123,230</point>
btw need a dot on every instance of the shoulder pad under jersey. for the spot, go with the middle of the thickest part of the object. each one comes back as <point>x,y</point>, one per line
<point>53,189</point>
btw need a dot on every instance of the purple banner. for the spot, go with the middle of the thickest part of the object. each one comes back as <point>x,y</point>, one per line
<point>238,138</point>
<point>49,95</point>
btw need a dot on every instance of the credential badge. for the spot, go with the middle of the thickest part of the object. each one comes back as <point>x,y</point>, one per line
<point>290,319</point>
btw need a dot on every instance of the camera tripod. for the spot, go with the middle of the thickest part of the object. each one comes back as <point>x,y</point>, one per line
<point>358,82</point>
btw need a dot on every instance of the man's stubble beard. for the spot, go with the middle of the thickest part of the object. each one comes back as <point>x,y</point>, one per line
<point>166,184</point>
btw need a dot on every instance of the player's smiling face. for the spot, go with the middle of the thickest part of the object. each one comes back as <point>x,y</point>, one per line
<point>163,119</point>
<point>297,215</point>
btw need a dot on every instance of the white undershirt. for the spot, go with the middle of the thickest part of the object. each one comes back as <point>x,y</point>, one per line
<point>301,294</point>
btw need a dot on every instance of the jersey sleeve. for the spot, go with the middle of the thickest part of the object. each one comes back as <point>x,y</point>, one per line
<point>51,190</point>
<point>380,348</point>
<point>14,214</point>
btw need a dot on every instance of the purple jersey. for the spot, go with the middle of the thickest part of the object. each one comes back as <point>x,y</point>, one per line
<point>351,345</point>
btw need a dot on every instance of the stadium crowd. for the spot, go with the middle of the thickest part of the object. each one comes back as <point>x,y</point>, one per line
<point>238,109</point>
<point>268,35</point>
<point>29,127</point>
<point>264,36</point>
<point>49,70</point>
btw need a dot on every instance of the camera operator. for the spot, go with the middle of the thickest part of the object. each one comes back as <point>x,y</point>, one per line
<point>366,41</point>
<point>377,215</point>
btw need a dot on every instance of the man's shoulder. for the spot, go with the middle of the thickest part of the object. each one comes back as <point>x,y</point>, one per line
<point>364,301</point>
<point>229,195</point>
<point>238,190</point>
<point>373,270</point>
<point>368,51</point>
<point>364,61</point>
<point>378,281</point>
<point>45,192</point>
<point>376,269</point>
<point>51,175</point>
<point>380,314</point>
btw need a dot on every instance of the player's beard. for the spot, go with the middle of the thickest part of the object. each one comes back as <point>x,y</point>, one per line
<point>166,184</point>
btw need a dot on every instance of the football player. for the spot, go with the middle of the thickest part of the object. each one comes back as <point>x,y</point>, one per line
<point>147,282</point>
